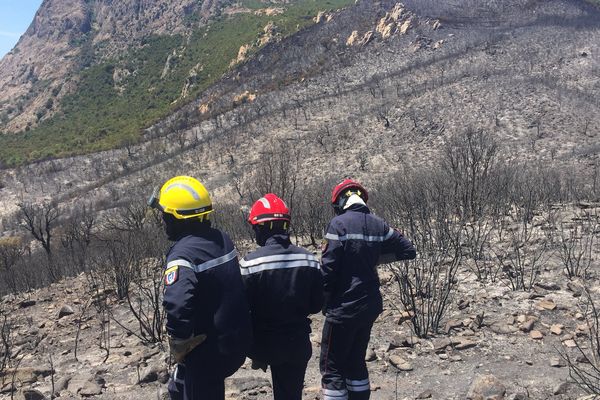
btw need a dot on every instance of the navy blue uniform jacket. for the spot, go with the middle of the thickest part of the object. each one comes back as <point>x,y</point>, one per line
<point>355,241</point>
<point>284,286</point>
<point>207,296</point>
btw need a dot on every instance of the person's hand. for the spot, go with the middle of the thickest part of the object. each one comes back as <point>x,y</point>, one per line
<point>180,348</point>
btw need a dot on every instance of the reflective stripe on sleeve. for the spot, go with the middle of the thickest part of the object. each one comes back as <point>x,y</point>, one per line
<point>179,263</point>
<point>216,262</point>
<point>389,234</point>
<point>205,265</point>
<point>358,385</point>
<point>358,236</point>
<point>331,394</point>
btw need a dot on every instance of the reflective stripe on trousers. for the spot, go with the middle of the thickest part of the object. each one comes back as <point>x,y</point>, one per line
<point>358,385</point>
<point>332,394</point>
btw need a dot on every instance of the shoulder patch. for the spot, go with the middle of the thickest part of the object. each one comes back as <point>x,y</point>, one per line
<point>171,275</point>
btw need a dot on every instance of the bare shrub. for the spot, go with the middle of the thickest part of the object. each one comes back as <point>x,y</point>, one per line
<point>312,211</point>
<point>231,218</point>
<point>40,221</point>
<point>76,239</point>
<point>468,160</point>
<point>278,171</point>
<point>425,285</point>
<point>584,368</point>
<point>12,250</point>
<point>477,237</point>
<point>521,254</point>
<point>6,332</point>
<point>131,264</point>
<point>576,244</point>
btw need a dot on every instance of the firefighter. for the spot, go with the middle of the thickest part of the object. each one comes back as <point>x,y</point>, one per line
<point>208,319</point>
<point>355,242</point>
<point>284,285</point>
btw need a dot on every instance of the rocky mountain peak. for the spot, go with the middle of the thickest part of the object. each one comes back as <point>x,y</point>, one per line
<point>69,35</point>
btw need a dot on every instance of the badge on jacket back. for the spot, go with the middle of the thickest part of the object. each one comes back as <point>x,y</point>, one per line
<point>171,275</point>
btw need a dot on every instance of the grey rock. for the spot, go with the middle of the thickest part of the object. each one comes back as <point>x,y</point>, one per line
<point>400,340</point>
<point>241,385</point>
<point>519,395</point>
<point>90,389</point>
<point>33,394</point>
<point>151,373</point>
<point>453,324</point>
<point>557,362</point>
<point>400,363</point>
<point>371,355</point>
<point>561,388</point>
<point>439,345</point>
<point>462,304</point>
<point>582,359</point>
<point>28,374</point>
<point>548,285</point>
<point>163,376</point>
<point>65,310</point>
<point>527,326</point>
<point>62,384</point>
<point>465,344</point>
<point>502,328</point>
<point>425,395</point>
<point>27,303</point>
<point>576,288</point>
<point>486,387</point>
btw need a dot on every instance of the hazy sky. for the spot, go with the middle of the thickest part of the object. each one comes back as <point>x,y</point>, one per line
<point>15,17</point>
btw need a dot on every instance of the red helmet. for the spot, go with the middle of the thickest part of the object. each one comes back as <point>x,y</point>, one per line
<point>345,185</point>
<point>269,208</point>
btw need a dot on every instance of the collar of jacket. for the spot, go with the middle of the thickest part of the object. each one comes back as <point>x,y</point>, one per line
<point>182,231</point>
<point>358,208</point>
<point>281,239</point>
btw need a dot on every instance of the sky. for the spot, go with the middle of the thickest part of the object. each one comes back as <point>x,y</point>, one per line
<point>15,17</point>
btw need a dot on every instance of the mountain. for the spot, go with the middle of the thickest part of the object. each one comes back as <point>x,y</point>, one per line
<point>66,36</point>
<point>89,75</point>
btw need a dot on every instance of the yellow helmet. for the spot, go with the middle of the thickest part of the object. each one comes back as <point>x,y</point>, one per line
<point>183,197</point>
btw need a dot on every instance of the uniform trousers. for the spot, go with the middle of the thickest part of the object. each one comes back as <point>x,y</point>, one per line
<point>344,373</point>
<point>202,378</point>
<point>288,358</point>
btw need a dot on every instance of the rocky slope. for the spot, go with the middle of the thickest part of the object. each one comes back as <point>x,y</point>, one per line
<point>505,343</point>
<point>368,90</point>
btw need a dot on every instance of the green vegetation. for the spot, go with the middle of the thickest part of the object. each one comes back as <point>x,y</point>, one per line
<point>104,114</point>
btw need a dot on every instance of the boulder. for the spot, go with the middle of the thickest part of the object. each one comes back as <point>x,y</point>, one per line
<point>65,310</point>
<point>33,394</point>
<point>486,387</point>
<point>537,335</point>
<point>557,329</point>
<point>151,373</point>
<point>90,389</point>
<point>27,303</point>
<point>527,326</point>
<point>400,363</point>
<point>557,362</point>
<point>370,356</point>
<point>546,305</point>
<point>561,388</point>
